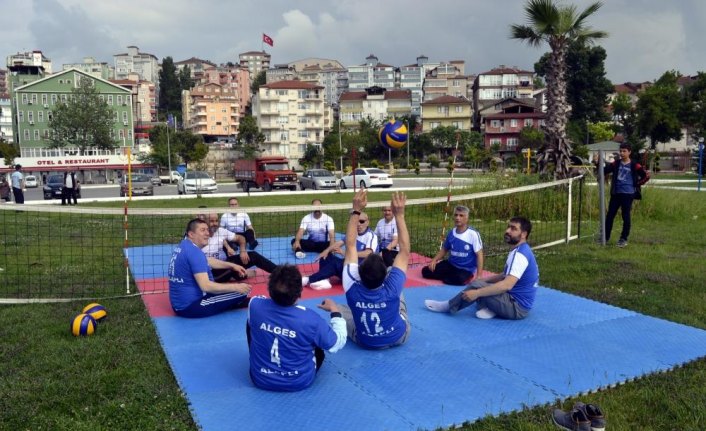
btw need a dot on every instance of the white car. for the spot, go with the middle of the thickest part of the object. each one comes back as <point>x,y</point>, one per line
<point>367,177</point>
<point>31,181</point>
<point>196,182</point>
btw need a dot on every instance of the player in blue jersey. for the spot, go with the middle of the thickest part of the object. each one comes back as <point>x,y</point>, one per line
<point>465,250</point>
<point>331,259</point>
<point>509,295</point>
<point>286,340</point>
<point>192,291</point>
<point>376,313</point>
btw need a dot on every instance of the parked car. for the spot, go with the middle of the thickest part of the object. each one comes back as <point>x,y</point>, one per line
<point>196,182</point>
<point>367,177</point>
<point>141,185</point>
<point>156,181</point>
<point>31,182</point>
<point>316,179</point>
<point>54,185</point>
<point>171,178</point>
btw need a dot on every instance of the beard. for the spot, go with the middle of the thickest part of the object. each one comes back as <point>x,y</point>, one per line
<point>510,240</point>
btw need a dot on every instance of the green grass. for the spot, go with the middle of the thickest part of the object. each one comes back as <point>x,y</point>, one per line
<point>120,379</point>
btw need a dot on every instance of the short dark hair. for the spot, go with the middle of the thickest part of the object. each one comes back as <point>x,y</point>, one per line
<point>316,200</point>
<point>625,146</point>
<point>191,226</point>
<point>525,224</point>
<point>372,271</point>
<point>285,285</point>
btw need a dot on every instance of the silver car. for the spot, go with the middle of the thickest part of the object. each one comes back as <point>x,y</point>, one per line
<point>139,184</point>
<point>316,179</point>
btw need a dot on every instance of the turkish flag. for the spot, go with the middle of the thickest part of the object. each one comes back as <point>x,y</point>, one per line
<point>268,40</point>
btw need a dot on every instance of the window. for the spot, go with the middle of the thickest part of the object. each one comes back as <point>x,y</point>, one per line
<point>121,134</point>
<point>49,116</point>
<point>21,116</point>
<point>529,122</point>
<point>54,97</point>
<point>496,141</point>
<point>25,99</point>
<point>513,122</point>
<point>434,125</point>
<point>457,124</point>
<point>459,108</point>
<point>511,143</point>
<point>282,107</point>
<point>303,133</point>
<point>26,135</point>
<point>40,116</point>
<point>44,99</point>
<point>281,92</point>
<point>496,123</point>
<point>301,120</point>
<point>30,116</point>
<point>124,115</point>
<point>110,99</point>
<point>282,120</point>
<point>302,94</point>
<point>120,99</point>
<point>36,135</point>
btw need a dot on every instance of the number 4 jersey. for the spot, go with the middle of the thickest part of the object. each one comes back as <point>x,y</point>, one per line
<point>282,344</point>
<point>376,312</point>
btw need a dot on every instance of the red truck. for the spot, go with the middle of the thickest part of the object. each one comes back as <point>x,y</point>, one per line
<point>269,172</point>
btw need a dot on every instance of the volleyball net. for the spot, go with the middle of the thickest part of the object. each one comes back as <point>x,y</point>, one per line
<point>57,253</point>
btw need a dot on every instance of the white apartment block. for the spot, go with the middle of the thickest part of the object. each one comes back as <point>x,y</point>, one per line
<point>34,58</point>
<point>291,114</point>
<point>133,61</point>
<point>370,74</point>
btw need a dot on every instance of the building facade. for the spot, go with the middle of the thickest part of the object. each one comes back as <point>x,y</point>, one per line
<point>145,65</point>
<point>501,83</point>
<point>196,66</point>
<point>291,115</point>
<point>502,129</point>
<point>447,111</point>
<point>6,111</point>
<point>92,67</point>
<point>375,103</point>
<point>235,78</point>
<point>372,73</point>
<point>33,105</point>
<point>255,62</point>
<point>34,58</point>
<point>211,110</point>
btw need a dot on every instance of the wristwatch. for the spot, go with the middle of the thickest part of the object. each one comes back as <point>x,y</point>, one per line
<point>354,212</point>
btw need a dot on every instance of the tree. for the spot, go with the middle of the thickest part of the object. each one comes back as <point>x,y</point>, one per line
<point>169,89</point>
<point>659,109</point>
<point>249,137</point>
<point>83,121</point>
<point>163,146</point>
<point>558,26</point>
<point>601,131</point>
<point>185,81</point>
<point>626,116</point>
<point>260,79</point>
<point>587,88</point>
<point>190,147</point>
<point>312,156</point>
<point>530,137</point>
<point>695,106</point>
<point>8,152</point>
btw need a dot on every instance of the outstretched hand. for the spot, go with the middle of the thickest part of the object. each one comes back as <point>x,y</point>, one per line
<point>328,305</point>
<point>360,199</point>
<point>399,200</point>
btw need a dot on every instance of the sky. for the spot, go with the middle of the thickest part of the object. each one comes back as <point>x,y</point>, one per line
<point>646,37</point>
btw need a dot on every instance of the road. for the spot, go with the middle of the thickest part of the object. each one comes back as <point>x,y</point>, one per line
<point>112,191</point>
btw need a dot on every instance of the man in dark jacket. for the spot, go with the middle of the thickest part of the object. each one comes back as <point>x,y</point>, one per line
<point>68,192</point>
<point>628,176</point>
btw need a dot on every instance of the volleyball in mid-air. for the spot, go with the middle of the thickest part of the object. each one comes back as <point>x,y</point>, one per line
<point>83,325</point>
<point>393,135</point>
<point>96,311</point>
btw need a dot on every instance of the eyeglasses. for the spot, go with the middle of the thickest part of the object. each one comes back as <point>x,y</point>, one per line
<point>362,221</point>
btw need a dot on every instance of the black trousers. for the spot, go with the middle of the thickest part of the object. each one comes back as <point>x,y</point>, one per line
<point>256,259</point>
<point>447,273</point>
<point>19,195</point>
<point>309,245</point>
<point>623,202</point>
<point>68,194</point>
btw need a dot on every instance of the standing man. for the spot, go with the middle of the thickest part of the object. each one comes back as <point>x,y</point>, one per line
<point>509,295</point>
<point>319,229</point>
<point>386,231</point>
<point>376,314</point>
<point>18,185</point>
<point>192,291</point>
<point>286,340</point>
<point>239,223</point>
<point>465,250</point>
<point>68,191</point>
<point>225,262</point>
<point>628,176</point>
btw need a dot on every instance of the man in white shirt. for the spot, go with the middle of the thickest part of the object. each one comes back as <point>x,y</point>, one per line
<point>68,191</point>
<point>239,223</point>
<point>320,232</point>
<point>386,231</point>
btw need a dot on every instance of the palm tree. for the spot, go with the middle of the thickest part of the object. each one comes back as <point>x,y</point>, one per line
<point>558,26</point>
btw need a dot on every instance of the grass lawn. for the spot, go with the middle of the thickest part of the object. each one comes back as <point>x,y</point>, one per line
<point>120,379</point>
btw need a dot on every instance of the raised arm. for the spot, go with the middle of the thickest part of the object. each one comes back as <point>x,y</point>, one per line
<point>360,200</point>
<point>399,200</point>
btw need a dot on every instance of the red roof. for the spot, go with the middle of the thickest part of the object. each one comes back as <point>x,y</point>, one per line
<point>398,94</point>
<point>445,100</point>
<point>292,85</point>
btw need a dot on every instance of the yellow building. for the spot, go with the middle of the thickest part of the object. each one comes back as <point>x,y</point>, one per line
<point>447,111</point>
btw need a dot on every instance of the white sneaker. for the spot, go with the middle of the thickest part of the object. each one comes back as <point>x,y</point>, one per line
<point>305,281</point>
<point>438,306</point>
<point>321,285</point>
<point>485,313</point>
<point>300,255</point>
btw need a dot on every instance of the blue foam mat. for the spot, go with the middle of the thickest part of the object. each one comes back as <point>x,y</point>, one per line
<point>453,368</point>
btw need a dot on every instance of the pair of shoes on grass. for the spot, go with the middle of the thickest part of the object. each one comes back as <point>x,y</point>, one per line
<point>443,307</point>
<point>583,417</point>
<point>622,243</point>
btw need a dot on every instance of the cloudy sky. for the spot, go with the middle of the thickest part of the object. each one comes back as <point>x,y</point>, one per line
<point>647,37</point>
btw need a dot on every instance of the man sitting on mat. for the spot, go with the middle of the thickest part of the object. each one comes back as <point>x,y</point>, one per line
<point>286,340</point>
<point>509,295</point>
<point>376,313</point>
<point>219,251</point>
<point>319,229</point>
<point>386,231</point>
<point>465,250</point>
<point>331,260</point>
<point>239,222</point>
<point>192,291</point>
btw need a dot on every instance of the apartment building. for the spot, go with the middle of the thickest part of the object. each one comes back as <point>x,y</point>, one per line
<point>411,77</point>
<point>99,69</point>
<point>447,111</point>
<point>255,62</point>
<point>33,58</point>
<point>502,129</point>
<point>6,111</point>
<point>447,79</point>
<point>291,114</point>
<point>375,103</point>
<point>372,73</point>
<point>234,77</point>
<point>211,110</point>
<point>145,65</point>
<point>4,82</point>
<point>498,84</point>
<point>196,66</point>
<point>144,98</point>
